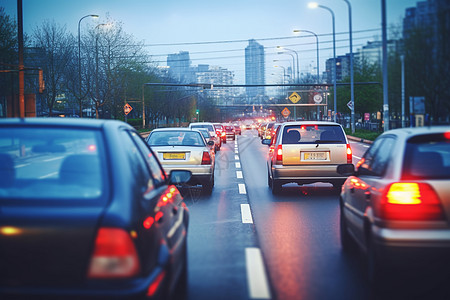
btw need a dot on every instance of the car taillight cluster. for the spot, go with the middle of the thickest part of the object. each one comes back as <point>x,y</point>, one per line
<point>279,154</point>
<point>206,159</point>
<point>349,154</point>
<point>410,201</point>
<point>114,255</point>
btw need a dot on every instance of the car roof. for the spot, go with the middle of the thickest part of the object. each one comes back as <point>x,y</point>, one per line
<point>70,122</point>
<point>173,129</point>
<point>413,131</point>
<point>310,123</point>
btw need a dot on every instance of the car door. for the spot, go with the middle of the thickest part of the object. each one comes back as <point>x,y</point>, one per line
<point>365,186</point>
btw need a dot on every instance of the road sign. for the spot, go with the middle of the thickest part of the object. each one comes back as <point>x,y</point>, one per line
<point>317,98</point>
<point>127,108</point>
<point>294,97</point>
<point>350,104</point>
<point>285,112</point>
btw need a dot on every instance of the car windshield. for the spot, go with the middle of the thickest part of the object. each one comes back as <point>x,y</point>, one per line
<point>59,163</point>
<point>208,127</point>
<point>313,134</point>
<point>176,138</point>
<point>427,157</point>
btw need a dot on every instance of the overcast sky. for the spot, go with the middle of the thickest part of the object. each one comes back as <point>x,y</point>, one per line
<point>176,22</point>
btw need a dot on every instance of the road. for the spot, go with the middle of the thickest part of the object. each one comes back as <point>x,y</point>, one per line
<point>245,243</point>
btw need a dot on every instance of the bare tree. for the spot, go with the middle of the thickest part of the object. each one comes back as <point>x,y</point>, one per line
<point>57,51</point>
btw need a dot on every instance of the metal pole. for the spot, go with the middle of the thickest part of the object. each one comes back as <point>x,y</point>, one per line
<point>351,66</point>
<point>21,64</point>
<point>402,59</point>
<point>334,60</point>
<point>385,73</point>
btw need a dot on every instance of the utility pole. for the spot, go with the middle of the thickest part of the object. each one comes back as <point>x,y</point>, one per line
<point>21,64</point>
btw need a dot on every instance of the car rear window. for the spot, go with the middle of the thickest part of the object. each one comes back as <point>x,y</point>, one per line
<point>52,163</point>
<point>313,134</point>
<point>209,127</point>
<point>175,138</point>
<point>427,157</point>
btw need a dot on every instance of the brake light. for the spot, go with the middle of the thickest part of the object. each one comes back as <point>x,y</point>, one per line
<point>410,201</point>
<point>114,255</point>
<point>349,154</point>
<point>224,133</point>
<point>279,153</point>
<point>206,159</point>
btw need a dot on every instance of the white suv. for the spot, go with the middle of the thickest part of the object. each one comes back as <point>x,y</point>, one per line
<point>210,127</point>
<point>307,152</point>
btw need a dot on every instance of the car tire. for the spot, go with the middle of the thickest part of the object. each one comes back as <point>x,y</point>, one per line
<point>269,180</point>
<point>276,187</point>
<point>376,270</point>
<point>208,187</point>
<point>181,290</point>
<point>347,242</point>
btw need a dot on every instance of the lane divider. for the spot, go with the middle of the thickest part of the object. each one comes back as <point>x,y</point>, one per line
<point>246,214</point>
<point>242,189</point>
<point>239,174</point>
<point>256,274</point>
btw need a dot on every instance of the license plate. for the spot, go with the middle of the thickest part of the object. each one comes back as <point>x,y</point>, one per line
<point>315,156</point>
<point>174,155</point>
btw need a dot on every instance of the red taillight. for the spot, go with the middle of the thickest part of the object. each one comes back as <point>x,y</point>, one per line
<point>114,255</point>
<point>279,153</point>
<point>206,159</point>
<point>349,154</point>
<point>410,201</point>
<point>224,133</point>
<point>155,284</point>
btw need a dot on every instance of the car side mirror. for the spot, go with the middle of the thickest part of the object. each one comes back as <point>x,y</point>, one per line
<point>210,143</point>
<point>266,142</point>
<point>346,169</point>
<point>179,176</point>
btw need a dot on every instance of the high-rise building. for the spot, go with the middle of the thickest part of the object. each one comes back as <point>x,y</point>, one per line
<point>180,66</point>
<point>254,69</point>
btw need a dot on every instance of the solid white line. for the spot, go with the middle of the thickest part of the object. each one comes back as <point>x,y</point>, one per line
<point>246,214</point>
<point>239,174</point>
<point>256,274</point>
<point>236,157</point>
<point>366,146</point>
<point>238,165</point>
<point>242,189</point>
<point>356,157</point>
<point>54,158</point>
<point>21,166</point>
<point>48,175</point>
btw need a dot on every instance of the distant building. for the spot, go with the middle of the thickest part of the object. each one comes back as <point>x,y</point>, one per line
<point>180,66</point>
<point>254,69</point>
<point>215,75</point>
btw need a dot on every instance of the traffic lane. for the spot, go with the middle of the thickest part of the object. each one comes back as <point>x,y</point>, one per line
<point>358,150</point>
<point>217,238</point>
<point>299,236</point>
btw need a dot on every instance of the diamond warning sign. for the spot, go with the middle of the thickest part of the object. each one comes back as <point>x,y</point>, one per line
<point>285,112</point>
<point>294,97</point>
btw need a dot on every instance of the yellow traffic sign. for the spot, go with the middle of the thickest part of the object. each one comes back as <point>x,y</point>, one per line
<point>285,112</point>
<point>294,97</point>
<point>127,108</point>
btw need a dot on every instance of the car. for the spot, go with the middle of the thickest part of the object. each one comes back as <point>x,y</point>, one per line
<point>237,129</point>
<point>396,205</point>
<point>87,211</point>
<point>208,138</point>
<point>185,149</point>
<point>212,132</point>
<point>307,152</point>
<point>268,131</point>
<point>220,130</point>
<point>230,132</point>
<point>261,130</point>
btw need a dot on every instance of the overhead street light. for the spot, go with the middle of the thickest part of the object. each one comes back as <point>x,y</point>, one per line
<point>315,5</point>
<point>296,54</point>
<point>79,59</point>
<point>352,98</point>
<point>317,53</point>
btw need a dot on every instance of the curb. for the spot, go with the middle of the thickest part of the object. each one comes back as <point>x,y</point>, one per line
<point>357,139</point>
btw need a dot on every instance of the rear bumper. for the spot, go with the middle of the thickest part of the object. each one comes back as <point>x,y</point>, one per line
<point>200,174</point>
<point>407,246</point>
<point>307,174</point>
<point>129,289</point>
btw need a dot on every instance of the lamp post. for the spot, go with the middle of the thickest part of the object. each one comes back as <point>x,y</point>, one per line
<point>97,94</point>
<point>296,54</point>
<point>315,5</point>
<point>293,64</point>
<point>317,60</point>
<point>352,97</point>
<point>284,75</point>
<point>79,59</point>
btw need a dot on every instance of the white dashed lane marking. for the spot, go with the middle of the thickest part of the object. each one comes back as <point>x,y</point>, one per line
<point>246,214</point>
<point>238,165</point>
<point>256,274</point>
<point>239,174</point>
<point>242,189</point>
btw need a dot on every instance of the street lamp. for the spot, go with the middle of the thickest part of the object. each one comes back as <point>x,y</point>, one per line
<point>79,59</point>
<point>352,98</point>
<point>315,5</point>
<point>317,59</point>
<point>97,95</point>
<point>296,54</point>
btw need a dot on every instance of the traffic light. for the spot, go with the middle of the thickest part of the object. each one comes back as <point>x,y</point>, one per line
<point>197,111</point>
<point>41,81</point>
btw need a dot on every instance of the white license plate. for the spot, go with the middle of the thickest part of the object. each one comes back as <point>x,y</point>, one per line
<point>315,155</point>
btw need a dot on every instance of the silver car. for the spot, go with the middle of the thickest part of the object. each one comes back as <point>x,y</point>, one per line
<point>185,149</point>
<point>212,131</point>
<point>396,205</point>
<point>307,152</point>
